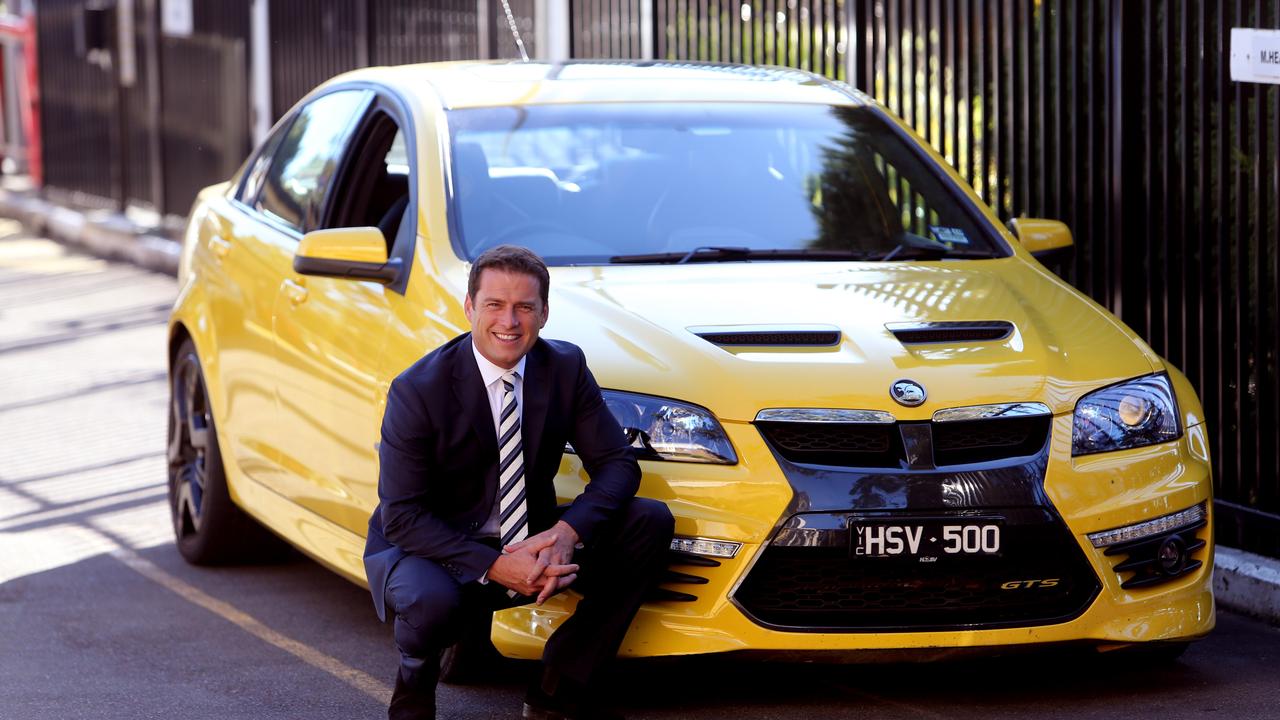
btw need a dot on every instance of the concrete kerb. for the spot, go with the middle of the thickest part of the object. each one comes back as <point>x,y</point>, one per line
<point>1243,582</point>
<point>102,233</point>
<point>1247,583</point>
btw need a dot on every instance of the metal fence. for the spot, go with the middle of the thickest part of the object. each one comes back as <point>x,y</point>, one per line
<point>313,40</point>
<point>1197,222</point>
<point>1120,119</point>
<point>1117,117</point>
<point>176,121</point>
<point>181,120</point>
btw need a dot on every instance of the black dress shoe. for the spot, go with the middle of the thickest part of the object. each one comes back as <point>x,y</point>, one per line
<point>559,698</point>
<point>412,703</point>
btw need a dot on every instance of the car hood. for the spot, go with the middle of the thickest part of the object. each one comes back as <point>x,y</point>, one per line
<point>634,323</point>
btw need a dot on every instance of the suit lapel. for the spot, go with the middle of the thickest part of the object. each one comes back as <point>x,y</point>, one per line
<point>468,388</point>
<point>537,398</point>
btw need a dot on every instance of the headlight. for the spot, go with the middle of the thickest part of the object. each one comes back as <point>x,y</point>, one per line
<point>1131,414</point>
<point>662,429</point>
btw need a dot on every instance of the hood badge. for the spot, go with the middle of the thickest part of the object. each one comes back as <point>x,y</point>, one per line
<point>907,392</point>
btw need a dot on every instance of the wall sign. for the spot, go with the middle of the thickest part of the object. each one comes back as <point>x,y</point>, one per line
<point>1255,55</point>
<point>177,18</point>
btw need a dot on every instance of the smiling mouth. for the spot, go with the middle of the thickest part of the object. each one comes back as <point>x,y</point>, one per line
<point>505,337</point>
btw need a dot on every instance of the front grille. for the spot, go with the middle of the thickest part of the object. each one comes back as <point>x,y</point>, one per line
<point>831,437</point>
<point>846,444</point>
<point>881,446</point>
<point>826,589</point>
<point>972,441</point>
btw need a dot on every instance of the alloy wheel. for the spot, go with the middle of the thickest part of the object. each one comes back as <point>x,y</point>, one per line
<point>189,422</point>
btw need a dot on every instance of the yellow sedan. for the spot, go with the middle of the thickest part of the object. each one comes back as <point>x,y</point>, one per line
<point>884,428</point>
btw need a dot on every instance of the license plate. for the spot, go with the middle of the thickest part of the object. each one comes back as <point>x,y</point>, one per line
<point>925,541</point>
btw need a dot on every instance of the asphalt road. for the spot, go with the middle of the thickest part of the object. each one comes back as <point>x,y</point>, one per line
<point>100,617</point>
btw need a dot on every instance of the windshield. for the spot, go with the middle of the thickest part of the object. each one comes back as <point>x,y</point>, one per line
<point>637,183</point>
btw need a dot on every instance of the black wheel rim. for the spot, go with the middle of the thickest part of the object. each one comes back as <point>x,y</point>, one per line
<point>189,423</point>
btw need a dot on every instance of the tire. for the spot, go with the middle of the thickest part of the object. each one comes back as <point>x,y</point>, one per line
<point>473,659</point>
<point>208,527</point>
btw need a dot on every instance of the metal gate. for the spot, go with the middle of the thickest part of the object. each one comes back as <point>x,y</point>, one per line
<point>134,117</point>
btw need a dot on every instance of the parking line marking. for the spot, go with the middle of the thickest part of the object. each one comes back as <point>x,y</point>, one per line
<point>357,679</point>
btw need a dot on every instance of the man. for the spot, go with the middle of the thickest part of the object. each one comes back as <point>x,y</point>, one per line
<point>472,437</point>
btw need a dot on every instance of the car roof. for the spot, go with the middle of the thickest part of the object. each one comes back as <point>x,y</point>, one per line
<point>504,83</point>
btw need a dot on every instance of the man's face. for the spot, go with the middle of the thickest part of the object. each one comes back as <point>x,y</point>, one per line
<point>506,315</point>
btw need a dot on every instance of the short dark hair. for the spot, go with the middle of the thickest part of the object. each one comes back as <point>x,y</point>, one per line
<point>513,259</point>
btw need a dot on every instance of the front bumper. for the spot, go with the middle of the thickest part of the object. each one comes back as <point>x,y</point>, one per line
<point>751,501</point>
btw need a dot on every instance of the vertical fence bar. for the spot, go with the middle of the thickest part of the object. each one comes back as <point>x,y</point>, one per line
<point>946,73</point>
<point>1256,148</point>
<point>1269,496</point>
<point>964,123</point>
<point>1155,155</point>
<point>1229,420</point>
<point>1239,179</point>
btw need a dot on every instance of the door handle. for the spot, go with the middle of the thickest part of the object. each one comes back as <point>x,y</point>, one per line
<point>219,247</point>
<point>296,291</point>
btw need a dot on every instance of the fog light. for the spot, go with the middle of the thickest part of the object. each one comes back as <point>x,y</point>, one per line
<point>1172,556</point>
<point>1141,530</point>
<point>706,546</point>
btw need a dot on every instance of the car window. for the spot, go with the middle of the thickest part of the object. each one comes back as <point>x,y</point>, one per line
<point>657,182</point>
<point>304,165</point>
<point>257,169</point>
<point>374,188</point>
<point>397,160</point>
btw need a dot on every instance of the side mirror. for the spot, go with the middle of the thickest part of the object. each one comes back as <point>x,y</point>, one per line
<point>359,253</point>
<point>1048,241</point>
<point>1044,239</point>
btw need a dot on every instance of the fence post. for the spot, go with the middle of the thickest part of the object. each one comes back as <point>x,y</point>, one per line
<point>361,31</point>
<point>484,30</point>
<point>859,63</point>
<point>552,37</point>
<point>1126,198</point>
<point>260,73</point>
<point>151,13</point>
<point>121,45</point>
<point>647,49</point>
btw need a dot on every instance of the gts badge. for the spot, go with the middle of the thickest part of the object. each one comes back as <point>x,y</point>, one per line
<point>1028,584</point>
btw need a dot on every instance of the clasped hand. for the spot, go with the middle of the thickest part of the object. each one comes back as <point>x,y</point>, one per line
<point>540,564</point>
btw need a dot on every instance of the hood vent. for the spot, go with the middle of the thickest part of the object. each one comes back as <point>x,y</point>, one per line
<point>770,335</point>
<point>950,332</point>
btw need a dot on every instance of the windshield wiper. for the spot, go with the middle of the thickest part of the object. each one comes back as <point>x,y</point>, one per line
<point>715,253</point>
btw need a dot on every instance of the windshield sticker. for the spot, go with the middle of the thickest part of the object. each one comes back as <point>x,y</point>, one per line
<point>950,235</point>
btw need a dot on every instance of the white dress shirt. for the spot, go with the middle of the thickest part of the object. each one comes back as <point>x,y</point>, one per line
<point>492,376</point>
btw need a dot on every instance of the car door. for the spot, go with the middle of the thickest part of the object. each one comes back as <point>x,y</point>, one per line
<point>330,333</point>
<point>240,267</point>
<point>279,195</point>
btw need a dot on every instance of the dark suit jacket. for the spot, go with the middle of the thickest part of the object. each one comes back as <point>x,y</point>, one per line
<point>439,458</point>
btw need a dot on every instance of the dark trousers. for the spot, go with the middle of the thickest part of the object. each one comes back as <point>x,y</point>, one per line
<point>623,562</point>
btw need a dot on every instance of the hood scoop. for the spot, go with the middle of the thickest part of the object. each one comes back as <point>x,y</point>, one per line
<point>769,335</point>
<point>920,333</point>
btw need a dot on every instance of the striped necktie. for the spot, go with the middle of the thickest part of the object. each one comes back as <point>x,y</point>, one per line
<point>513,512</point>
